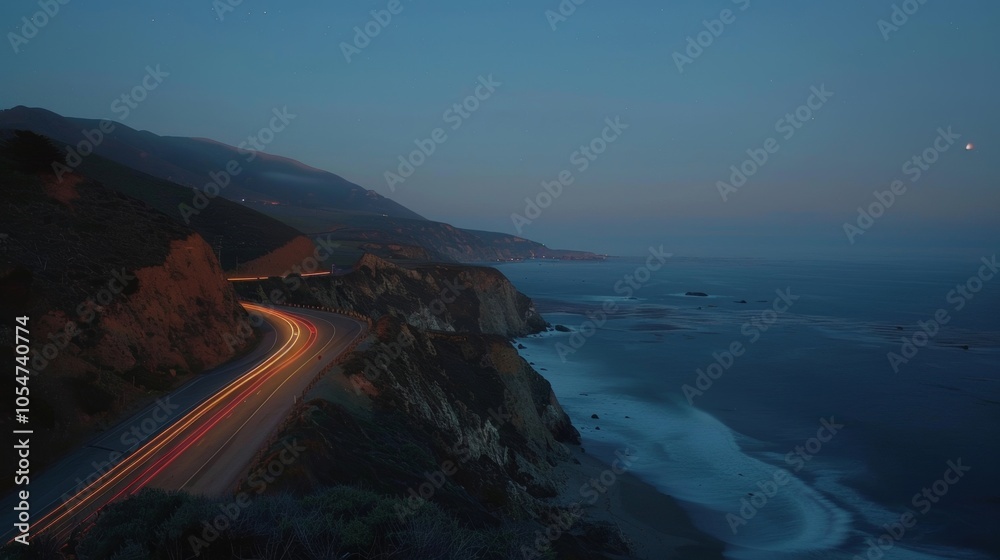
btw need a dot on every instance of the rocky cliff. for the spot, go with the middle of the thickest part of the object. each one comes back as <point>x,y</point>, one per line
<point>435,406</point>
<point>439,297</point>
<point>122,300</point>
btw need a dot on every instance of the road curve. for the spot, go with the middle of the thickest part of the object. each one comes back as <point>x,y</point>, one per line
<point>200,438</point>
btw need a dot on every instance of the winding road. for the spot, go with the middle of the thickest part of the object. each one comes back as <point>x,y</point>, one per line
<point>200,438</point>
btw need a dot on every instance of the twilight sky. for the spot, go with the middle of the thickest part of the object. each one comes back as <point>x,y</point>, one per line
<point>656,183</point>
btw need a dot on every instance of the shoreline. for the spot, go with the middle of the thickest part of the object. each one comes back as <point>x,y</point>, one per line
<point>656,526</point>
<point>655,523</point>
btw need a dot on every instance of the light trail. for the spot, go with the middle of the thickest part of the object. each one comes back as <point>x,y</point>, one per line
<point>144,464</point>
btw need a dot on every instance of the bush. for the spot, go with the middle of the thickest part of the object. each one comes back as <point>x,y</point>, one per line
<point>31,153</point>
<point>340,521</point>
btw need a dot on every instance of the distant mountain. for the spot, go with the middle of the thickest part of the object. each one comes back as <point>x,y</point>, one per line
<point>311,200</point>
<point>190,161</point>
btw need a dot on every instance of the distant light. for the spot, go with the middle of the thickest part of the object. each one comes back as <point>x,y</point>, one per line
<point>970,146</point>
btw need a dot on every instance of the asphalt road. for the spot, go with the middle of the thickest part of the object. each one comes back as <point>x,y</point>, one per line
<point>200,438</point>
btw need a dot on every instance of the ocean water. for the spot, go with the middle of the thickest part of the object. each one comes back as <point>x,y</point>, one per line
<point>806,441</point>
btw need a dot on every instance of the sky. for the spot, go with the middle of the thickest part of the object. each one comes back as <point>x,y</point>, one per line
<point>890,76</point>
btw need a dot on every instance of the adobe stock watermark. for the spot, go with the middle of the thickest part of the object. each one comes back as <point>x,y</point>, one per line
<point>364,34</point>
<point>394,350</point>
<point>231,511</point>
<point>462,453</point>
<point>563,11</point>
<point>32,25</point>
<point>959,297</point>
<point>581,159</point>
<point>223,7</point>
<point>220,179</point>
<point>434,480</point>
<point>86,312</point>
<point>122,106</point>
<point>130,439</point>
<point>914,168</point>
<point>699,43</point>
<point>626,287</point>
<point>899,17</point>
<point>787,126</point>
<point>590,492</point>
<point>292,281</point>
<point>922,503</point>
<point>456,115</point>
<point>796,459</point>
<point>752,330</point>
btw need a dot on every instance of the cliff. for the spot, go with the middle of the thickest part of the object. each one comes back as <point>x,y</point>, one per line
<point>439,297</point>
<point>122,300</point>
<point>435,406</point>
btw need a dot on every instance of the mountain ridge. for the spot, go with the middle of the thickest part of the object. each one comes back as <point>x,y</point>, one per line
<point>297,194</point>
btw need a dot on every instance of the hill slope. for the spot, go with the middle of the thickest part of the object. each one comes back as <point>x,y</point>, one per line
<point>123,301</point>
<point>306,198</point>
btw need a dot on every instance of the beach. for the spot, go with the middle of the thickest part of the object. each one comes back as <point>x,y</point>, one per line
<point>655,525</point>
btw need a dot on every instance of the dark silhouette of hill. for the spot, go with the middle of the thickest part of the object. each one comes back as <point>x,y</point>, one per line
<point>189,161</point>
<point>309,199</point>
<point>122,300</point>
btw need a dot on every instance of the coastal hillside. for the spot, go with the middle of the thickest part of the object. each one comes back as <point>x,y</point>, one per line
<point>189,161</point>
<point>246,241</point>
<point>438,296</point>
<point>123,301</point>
<point>307,199</point>
<point>433,426</point>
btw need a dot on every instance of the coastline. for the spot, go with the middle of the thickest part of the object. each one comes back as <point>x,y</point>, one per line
<point>655,525</point>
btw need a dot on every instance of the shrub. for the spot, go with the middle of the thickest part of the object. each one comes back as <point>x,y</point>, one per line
<point>30,152</point>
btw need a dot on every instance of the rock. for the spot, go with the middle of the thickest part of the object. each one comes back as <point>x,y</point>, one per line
<point>696,294</point>
<point>595,417</point>
<point>597,427</point>
<point>521,347</point>
<point>741,301</point>
<point>562,328</point>
<point>964,347</point>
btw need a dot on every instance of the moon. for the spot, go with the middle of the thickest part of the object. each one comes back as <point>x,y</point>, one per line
<point>970,146</point>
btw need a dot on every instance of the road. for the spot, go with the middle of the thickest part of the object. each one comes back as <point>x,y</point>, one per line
<point>199,439</point>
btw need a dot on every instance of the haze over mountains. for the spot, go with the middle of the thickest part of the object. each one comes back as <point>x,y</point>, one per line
<point>311,200</point>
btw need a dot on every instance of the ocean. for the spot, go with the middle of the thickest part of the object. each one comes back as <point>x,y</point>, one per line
<point>845,410</point>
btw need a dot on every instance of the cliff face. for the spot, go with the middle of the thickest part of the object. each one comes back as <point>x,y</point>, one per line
<point>437,297</point>
<point>176,318</point>
<point>455,419</point>
<point>123,300</point>
<point>435,406</point>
